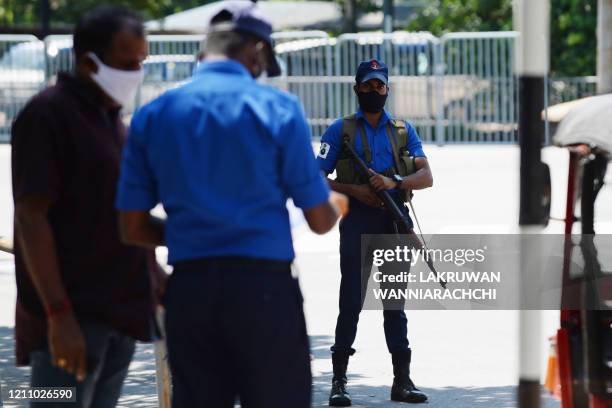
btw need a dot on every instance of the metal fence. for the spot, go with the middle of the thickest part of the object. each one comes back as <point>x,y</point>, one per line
<point>412,60</point>
<point>22,75</point>
<point>568,88</point>
<point>478,99</point>
<point>459,88</point>
<point>307,64</point>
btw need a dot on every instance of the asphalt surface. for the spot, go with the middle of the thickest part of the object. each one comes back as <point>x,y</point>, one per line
<point>461,359</point>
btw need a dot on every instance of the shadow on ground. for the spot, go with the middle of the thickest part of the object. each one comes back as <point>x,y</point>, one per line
<point>140,391</point>
<point>10,376</point>
<point>484,397</point>
<point>365,396</point>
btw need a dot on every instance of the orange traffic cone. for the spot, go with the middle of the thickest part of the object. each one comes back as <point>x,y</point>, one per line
<point>553,382</point>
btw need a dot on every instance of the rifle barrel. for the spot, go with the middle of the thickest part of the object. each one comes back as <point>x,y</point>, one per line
<point>393,208</point>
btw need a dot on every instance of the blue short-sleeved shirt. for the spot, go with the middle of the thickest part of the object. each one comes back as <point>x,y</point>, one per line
<point>223,154</point>
<point>378,139</point>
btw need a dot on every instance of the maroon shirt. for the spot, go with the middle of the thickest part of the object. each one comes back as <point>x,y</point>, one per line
<point>66,145</point>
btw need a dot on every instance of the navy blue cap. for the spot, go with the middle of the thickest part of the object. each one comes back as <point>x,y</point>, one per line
<point>245,16</point>
<point>372,69</point>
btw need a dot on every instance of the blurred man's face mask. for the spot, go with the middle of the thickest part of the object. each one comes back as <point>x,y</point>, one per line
<point>372,101</point>
<point>119,84</point>
<point>372,96</point>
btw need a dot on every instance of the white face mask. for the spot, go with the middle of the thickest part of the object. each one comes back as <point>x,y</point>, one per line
<point>120,85</point>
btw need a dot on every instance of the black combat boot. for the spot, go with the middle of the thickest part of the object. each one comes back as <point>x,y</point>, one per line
<point>338,396</point>
<point>403,389</point>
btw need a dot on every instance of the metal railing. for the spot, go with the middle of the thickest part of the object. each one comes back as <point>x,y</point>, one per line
<point>412,61</point>
<point>459,88</point>
<point>564,89</point>
<point>478,98</point>
<point>22,75</point>
<point>307,63</point>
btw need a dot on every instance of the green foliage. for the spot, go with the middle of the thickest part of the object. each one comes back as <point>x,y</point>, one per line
<point>572,27</point>
<point>444,16</point>
<point>14,12</point>
<point>573,22</point>
<point>67,12</point>
<point>573,45</point>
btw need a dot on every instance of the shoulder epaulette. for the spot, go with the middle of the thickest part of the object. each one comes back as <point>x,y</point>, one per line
<point>398,123</point>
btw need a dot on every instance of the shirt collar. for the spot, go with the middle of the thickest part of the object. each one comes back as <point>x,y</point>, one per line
<point>228,66</point>
<point>384,118</point>
<point>87,92</point>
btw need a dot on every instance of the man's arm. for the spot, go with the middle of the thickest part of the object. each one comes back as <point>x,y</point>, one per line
<point>66,341</point>
<point>322,218</point>
<point>331,147</point>
<point>361,192</point>
<point>142,229</point>
<point>421,179</point>
<point>137,189</point>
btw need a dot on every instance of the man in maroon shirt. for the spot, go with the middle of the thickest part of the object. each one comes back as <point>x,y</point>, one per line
<point>83,297</point>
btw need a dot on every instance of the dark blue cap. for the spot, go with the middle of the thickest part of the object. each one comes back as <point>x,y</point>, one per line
<point>372,69</point>
<point>245,16</point>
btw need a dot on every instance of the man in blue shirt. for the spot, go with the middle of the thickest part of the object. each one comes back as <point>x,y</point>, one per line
<point>375,137</point>
<point>223,154</point>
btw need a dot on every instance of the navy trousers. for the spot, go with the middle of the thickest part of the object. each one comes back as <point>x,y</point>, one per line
<point>355,267</point>
<point>235,329</point>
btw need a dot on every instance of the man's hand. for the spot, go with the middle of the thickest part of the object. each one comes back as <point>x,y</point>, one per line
<point>380,182</point>
<point>67,345</point>
<point>323,217</point>
<point>340,201</point>
<point>366,195</point>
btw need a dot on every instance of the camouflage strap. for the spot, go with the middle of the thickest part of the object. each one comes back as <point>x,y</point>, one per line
<point>396,152</point>
<point>398,137</point>
<point>349,124</point>
<point>366,146</point>
<point>349,127</point>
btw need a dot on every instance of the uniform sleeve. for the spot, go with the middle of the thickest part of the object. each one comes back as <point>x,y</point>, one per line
<point>414,146</point>
<point>137,188</point>
<point>36,154</point>
<point>331,145</point>
<point>301,176</point>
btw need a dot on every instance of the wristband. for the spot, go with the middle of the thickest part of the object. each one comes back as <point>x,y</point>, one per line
<point>59,308</point>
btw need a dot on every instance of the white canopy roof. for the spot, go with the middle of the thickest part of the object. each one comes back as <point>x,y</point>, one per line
<point>589,121</point>
<point>282,14</point>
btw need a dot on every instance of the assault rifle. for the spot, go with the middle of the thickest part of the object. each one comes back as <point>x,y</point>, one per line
<point>401,220</point>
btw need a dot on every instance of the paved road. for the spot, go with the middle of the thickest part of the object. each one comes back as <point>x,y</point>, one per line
<point>461,358</point>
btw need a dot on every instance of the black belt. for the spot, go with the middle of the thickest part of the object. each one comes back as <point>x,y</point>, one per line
<point>233,262</point>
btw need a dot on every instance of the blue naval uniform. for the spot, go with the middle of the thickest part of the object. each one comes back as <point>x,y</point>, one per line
<point>363,219</point>
<point>223,154</point>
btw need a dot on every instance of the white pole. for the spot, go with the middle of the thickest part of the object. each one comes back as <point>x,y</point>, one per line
<point>531,18</point>
<point>388,16</point>
<point>532,21</point>
<point>604,46</point>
